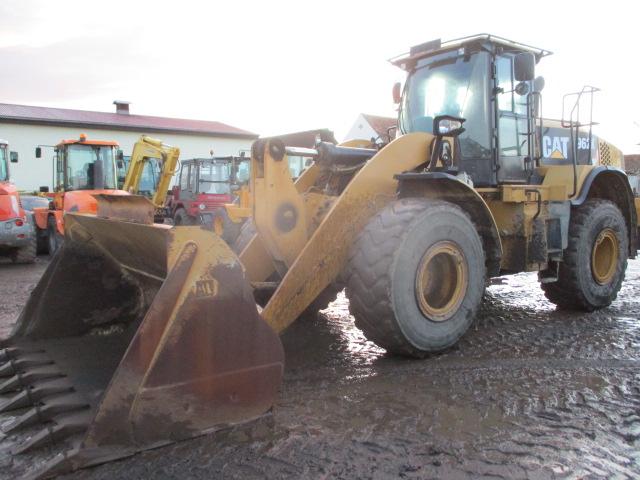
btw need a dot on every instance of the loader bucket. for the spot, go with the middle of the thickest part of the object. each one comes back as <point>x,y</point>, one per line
<point>137,335</point>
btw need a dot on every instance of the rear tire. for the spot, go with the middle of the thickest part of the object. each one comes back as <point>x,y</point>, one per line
<point>391,271</point>
<point>54,239</point>
<point>181,218</point>
<point>595,262</point>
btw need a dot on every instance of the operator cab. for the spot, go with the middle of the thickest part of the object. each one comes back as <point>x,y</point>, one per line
<point>83,164</point>
<point>488,84</point>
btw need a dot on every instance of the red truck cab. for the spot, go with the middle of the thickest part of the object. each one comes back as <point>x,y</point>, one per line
<point>204,186</point>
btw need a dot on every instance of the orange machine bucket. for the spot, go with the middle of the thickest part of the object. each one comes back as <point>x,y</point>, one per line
<point>137,335</point>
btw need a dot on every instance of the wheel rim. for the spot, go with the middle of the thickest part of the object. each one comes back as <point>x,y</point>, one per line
<point>442,279</point>
<point>604,256</point>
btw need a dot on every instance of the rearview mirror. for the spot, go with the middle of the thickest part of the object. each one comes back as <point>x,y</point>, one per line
<point>448,125</point>
<point>13,157</point>
<point>397,93</point>
<point>44,189</point>
<point>38,152</point>
<point>524,66</point>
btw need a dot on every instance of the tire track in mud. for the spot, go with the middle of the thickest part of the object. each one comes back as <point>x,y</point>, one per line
<point>529,392</point>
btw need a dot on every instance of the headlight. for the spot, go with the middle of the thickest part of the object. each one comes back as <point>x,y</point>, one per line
<point>202,206</point>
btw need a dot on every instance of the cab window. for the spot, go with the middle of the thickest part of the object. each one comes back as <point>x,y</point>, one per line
<point>512,111</point>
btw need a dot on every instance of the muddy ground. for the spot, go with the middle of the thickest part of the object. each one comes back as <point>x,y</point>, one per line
<point>529,392</point>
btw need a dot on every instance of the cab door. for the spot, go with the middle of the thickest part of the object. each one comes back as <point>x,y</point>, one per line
<point>513,123</point>
<point>187,183</point>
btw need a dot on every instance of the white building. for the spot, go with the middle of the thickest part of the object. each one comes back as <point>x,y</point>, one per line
<point>26,127</point>
<point>367,127</point>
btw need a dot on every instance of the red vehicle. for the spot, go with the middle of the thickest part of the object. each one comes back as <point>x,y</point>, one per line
<point>204,186</point>
<point>17,233</point>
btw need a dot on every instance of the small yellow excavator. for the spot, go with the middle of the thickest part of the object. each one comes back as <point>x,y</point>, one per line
<point>140,334</point>
<point>151,167</point>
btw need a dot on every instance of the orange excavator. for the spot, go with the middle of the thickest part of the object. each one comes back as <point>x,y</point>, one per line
<point>82,168</point>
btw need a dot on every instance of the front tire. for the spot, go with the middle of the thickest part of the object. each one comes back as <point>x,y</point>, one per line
<point>416,276</point>
<point>181,218</point>
<point>54,239</point>
<point>595,261</point>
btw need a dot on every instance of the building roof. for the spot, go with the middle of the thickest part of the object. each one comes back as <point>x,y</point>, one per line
<point>117,121</point>
<point>381,125</point>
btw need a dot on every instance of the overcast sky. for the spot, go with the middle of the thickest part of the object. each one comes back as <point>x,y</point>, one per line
<point>274,67</point>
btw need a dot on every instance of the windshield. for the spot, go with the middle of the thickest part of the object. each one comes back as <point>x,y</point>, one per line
<point>84,162</point>
<point>243,172</point>
<point>450,84</point>
<point>214,178</point>
<point>150,177</point>
<point>4,168</point>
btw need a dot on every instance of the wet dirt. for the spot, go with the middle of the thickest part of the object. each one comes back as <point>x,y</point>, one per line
<point>529,392</point>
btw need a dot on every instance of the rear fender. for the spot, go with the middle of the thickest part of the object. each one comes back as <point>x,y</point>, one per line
<point>58,215</point>
<point>612,184</point>
<point>443,186</point>
<point>41,215</point>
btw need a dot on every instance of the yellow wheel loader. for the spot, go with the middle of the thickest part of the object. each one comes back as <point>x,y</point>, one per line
<point>139,335</point>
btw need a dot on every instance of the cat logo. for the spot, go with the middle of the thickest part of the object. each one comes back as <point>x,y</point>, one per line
<point>555,147</point>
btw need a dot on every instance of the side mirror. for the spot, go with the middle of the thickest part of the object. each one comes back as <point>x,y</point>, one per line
<point>38,152</point>
<point>44,189</point>
<point>120,154</point>
<point>120,164</point>
<point>538,84</point>
<point>448,125</point>
<point>524,66</point>
<point>397,93</point>
<point>13,157</point>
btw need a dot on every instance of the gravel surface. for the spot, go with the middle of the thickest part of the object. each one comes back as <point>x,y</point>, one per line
<point>529,392</point>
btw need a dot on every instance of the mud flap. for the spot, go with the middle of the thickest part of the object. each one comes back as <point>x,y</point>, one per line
<point>137,335</point>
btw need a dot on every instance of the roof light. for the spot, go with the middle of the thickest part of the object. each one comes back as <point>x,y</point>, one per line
<point>431,46</point>
<point>83,137</point>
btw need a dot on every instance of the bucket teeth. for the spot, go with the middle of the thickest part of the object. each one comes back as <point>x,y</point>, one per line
<point>16,364</point>
<point>34,395</point>
<point>21,380</point>
<point>11,352</point>
<point>47,412</point>
<point>62,428</point>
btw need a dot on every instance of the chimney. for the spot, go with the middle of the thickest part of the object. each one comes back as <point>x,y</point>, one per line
<point>122,106</point>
